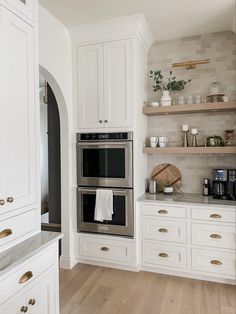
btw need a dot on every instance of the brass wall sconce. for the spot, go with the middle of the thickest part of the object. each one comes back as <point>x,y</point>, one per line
<point>190,64</point>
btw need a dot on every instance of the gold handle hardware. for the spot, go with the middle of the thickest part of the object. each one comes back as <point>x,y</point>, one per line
<point>215,236</point>
<point>216,216</point>
<point>5,233</point>
<point>162,211</point>
<point>105,249</point>
<point>24,309</point>
<point>163,255</point>
<point>27,276</point>
<point>32,302</point>
<point>105,121</point>
<point>2,202</point>
<point>216,262</point>
<point>10,199</point>
<point>163,230</point>
<point>100,121</point>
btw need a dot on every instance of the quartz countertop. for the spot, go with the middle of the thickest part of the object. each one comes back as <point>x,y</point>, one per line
<point>186,198</point>
<point>26,249</point>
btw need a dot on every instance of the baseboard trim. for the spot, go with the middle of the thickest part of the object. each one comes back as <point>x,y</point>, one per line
<point>67,262</point>
<point>133,268</point>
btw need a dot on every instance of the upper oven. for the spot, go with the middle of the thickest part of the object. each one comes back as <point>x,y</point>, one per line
<point>105,159</point>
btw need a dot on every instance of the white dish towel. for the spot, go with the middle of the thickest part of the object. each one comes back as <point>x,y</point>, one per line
<point>104,205</point>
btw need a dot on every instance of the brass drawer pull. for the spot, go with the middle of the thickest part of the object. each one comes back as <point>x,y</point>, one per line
<point>32,302</point>
<point>215,236</point>
<point>216,262</point>
<point>163,230</point>
<point>27,276</point>
<point>163,211</point>
<point>24,309</point>
<point>100,121</point>
<point>5,233</point>
<point>2,202</point>
<point>163,255</point>
<point>10,199</point>
<point>104,249</point>
<point>215,216</point>
<point>106,121</point>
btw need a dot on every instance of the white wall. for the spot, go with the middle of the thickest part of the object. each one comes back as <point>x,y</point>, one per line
<point>56,65</point>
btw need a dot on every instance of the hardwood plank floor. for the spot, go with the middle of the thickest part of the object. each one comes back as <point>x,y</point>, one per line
<point>97,290</point>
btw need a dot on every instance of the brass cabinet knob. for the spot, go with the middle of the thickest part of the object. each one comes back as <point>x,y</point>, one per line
<point>2,202</point>
<point>216,262</point>
<point>10,199</point>
<point>163,255</point>
<point>24,309</point>
<point>163,212</point>
<point>5,233</point>
<point>100,121</point>
<point>32,302</point>
<point>215,216</point>
<point>106,121</point>
<point>163,230</point>
<point>105,249</point>
<point>215,236</point>
<point>26,276</point>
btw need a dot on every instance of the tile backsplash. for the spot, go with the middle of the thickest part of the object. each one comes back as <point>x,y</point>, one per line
<point>220,48</point>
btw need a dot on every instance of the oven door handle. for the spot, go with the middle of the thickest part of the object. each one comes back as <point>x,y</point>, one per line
<point>103,143</point>
<point>122,192</point>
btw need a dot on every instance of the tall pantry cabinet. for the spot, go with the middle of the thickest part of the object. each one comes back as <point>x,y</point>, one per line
<point>19,210</point>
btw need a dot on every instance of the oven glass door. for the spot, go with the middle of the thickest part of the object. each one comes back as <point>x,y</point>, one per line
<point>105,164</point>
<point>122,219</point>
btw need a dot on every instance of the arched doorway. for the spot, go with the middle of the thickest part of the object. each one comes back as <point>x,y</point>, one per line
<point>64,152</point>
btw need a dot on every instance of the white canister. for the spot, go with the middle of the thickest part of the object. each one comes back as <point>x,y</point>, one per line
<point>153,141</point>
<point>163,141</point>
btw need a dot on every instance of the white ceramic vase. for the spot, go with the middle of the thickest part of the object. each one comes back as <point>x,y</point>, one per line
<point>166,99</point>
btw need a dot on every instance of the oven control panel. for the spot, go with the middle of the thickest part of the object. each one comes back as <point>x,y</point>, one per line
<point>104,136</point>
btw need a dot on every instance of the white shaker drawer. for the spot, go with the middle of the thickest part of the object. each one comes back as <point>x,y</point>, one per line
<point>214,236</point>
<point>105,249</point>
<point>164,230</point>
<point>26,274</point>
<point>213,215</point>
<point>17,226</point>
<point>164,211</point>
<point>214,262</point>
<point>164,255</point>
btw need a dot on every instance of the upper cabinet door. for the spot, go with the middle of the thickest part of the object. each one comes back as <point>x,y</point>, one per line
<point>17,108</point>
<point>118,83</point>
<point>25,7</point>
<point>90,86</point>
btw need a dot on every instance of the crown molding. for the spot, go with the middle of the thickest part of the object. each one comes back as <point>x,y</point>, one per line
<point>124,27</point>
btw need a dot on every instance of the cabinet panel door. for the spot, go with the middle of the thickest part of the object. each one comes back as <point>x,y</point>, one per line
<point>117,83</point>
<point>41,298</point>
<point>90,86</point>
<point>17,112</point>
<point>25,7</point>
<point>14,307</point>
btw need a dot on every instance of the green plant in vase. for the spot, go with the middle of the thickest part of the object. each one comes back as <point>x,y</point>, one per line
<point>171,84</point>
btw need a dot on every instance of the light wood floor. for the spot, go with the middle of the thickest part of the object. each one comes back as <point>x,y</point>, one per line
<point>97,290</point>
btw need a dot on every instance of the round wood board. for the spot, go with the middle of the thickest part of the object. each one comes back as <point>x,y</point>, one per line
<point>166,175</point>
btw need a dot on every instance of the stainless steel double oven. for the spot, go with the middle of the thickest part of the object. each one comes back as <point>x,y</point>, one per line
<point>105,160</point>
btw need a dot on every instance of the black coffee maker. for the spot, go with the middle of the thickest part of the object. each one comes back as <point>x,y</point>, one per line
<point>224,184</point>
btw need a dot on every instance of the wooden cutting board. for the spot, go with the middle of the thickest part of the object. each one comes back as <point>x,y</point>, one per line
<point>166,175</point>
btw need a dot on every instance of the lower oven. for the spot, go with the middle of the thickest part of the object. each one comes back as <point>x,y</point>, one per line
<point>122,222</point>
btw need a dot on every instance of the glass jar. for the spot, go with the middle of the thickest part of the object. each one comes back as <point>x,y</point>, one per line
<point>216,88</point>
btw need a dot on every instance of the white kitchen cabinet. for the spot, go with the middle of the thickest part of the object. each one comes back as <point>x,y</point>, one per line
<point>26,7</point>
<point>17,111</point>
<point>104,84</point>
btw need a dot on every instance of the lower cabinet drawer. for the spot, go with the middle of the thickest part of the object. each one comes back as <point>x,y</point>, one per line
<point>17,226</point>
<point>214,262</point>
<point>163,211</point>
<point>26,274</point>
<point>164,230</point>
<point>105,249</point>
<point>214,214</point>
<point>214,236</point>
<point>163,255</point>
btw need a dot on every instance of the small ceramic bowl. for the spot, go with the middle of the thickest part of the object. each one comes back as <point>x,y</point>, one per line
<point>168,190</point>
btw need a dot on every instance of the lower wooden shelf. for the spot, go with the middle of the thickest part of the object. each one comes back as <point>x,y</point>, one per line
<point>190,150</point>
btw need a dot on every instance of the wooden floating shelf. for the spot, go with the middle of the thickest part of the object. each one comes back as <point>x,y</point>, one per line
<point>190,150</point>
<point>194,108</point>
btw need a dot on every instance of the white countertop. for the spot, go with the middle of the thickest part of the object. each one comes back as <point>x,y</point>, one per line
<point>26,249</point>
<point>186,198</point>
